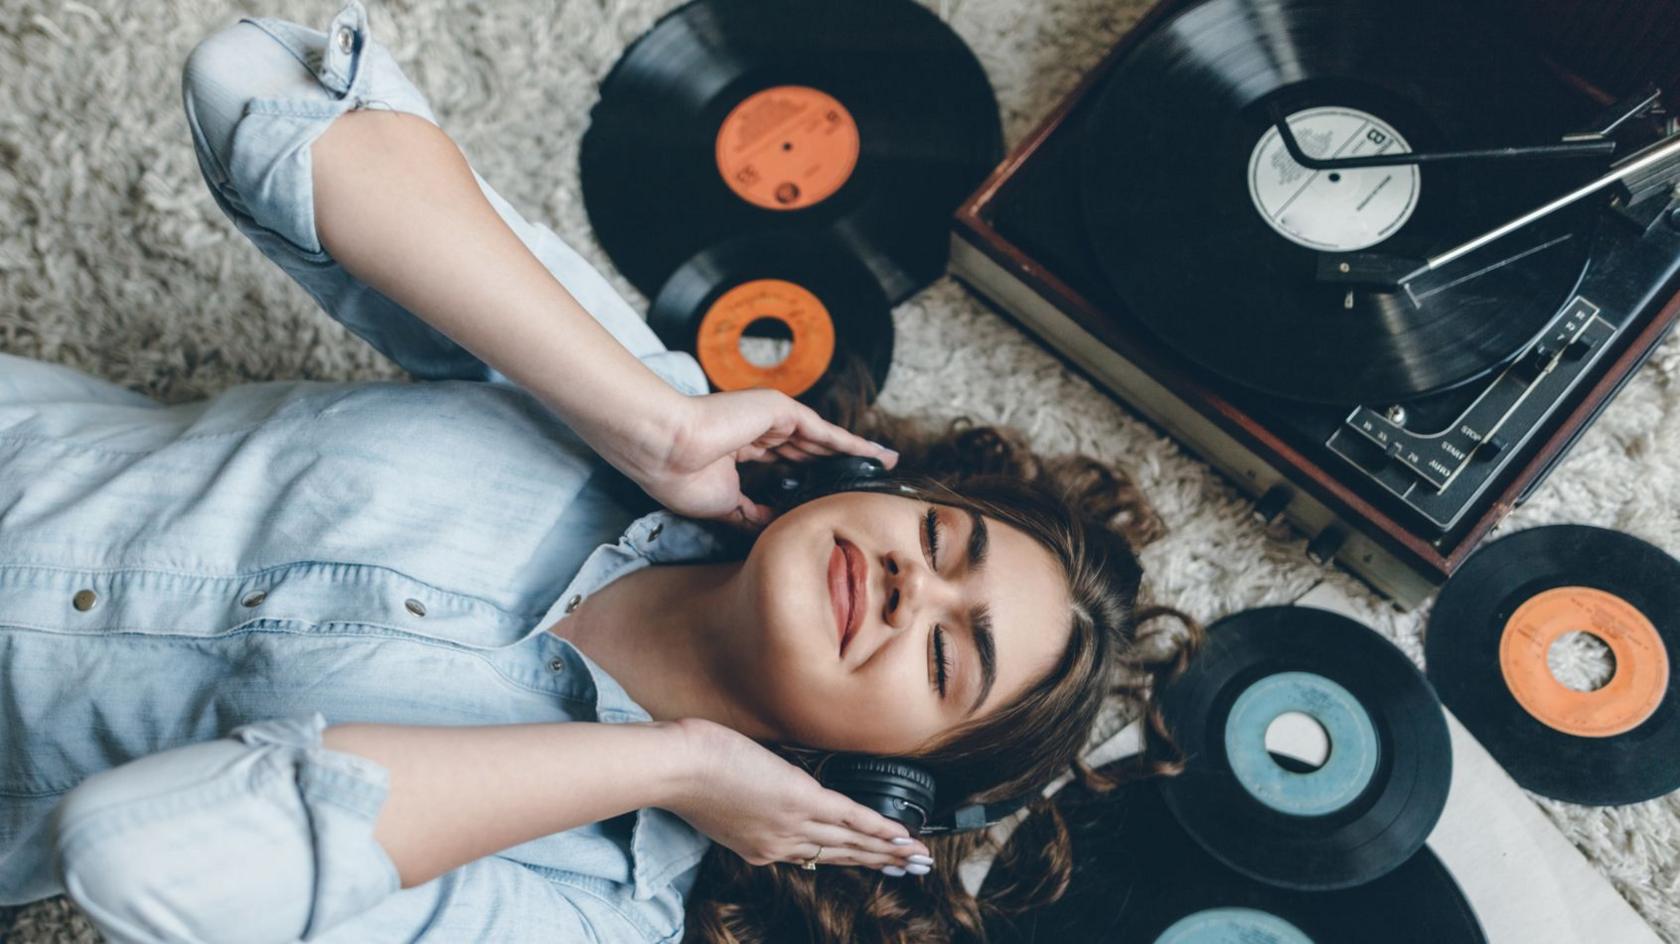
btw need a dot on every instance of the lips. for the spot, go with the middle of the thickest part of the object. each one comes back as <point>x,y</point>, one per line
<point>846,574</point>
<point>839,594</point>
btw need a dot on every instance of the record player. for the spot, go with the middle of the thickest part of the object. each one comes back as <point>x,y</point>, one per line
<point>1379,263</point>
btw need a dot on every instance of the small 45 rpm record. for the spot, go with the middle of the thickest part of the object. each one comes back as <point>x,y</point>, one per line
<point>1138,878</point>
<point>1213,235</point>
<point>805,289</point>
<point>868,119</point>
<point>1382,784</point>
<point>1492,629</point>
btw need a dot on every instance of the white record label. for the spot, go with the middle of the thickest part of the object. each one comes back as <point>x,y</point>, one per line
<point>1338,211</point>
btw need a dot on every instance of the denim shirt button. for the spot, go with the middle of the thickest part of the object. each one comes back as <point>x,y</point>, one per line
<point>84,600</point>
<point>346,38</point>
<point>557,664</point>
<point>254,598</point>
<point>415,606</point>
<point>571,604</point>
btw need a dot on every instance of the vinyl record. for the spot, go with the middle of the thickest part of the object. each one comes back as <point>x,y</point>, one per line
<point>1383,779</point>
<point>1212,234</point>
<point>869,120</point>
<point>1492,630</point>
<point>1138,878</point>
<point>803,289</point>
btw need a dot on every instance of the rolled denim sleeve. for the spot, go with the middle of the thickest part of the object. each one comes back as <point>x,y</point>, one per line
<point>263,835</point>
<point>267,836</point>
<point>259,92</point>
<point>497,899</point>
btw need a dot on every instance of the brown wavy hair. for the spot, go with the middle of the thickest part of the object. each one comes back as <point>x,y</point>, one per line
<point>1091,517</point>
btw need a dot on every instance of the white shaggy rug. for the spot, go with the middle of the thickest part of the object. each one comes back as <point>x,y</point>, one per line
<point>115,260</point>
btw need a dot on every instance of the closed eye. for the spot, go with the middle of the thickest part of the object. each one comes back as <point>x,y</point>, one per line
<point>942,664</point>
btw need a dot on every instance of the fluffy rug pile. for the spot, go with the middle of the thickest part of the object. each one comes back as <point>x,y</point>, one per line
<point>115,260</point>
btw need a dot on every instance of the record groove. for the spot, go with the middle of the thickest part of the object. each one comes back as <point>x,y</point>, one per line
<point>1305,841</point>
<point>1212,235</point>
<point>1139,878</point>
<point>686,148</point>
<point>1493,623</point>
<point>841,325</point>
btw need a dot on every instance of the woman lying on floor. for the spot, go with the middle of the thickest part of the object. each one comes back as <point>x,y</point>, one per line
<point>550,718</point>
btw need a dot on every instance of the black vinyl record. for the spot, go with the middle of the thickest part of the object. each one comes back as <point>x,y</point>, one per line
<point>869,120</point>
<point>1361,813</point>
<point>1138,876</point>
<point>789,285</point>
<point>1212,235</point>
<point>1490,633</point>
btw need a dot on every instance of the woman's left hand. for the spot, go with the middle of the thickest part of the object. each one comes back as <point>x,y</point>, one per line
<point>745,797</point>
<point>693,472</point>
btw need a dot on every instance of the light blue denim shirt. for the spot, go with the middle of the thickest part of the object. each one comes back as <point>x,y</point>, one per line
<point>190,593</point>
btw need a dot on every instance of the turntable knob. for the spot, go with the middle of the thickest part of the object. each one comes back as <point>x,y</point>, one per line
<point>1273,503</point>
<point>1323,547</point>
<point>1578,348</point>
<point>1490,447</point>
<point>1534,364</point>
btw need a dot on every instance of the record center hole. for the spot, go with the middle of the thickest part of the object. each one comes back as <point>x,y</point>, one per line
<point>766,342</point>
<point>1581,661</point>
<point>1298,742</point>
<point>787,145</point>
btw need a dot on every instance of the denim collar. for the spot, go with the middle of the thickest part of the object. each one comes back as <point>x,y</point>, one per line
<point>662,844</point>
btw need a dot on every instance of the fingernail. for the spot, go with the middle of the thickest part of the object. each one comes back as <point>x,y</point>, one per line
<point>922,859</point>
<point>892,870</point>
<point>890,452</point>
<point>902,840</point>
<point>919,869</point>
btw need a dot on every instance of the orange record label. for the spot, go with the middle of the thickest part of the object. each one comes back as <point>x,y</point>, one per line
<point>787,147</point>
<point>718,344</point>
<point>1633,692</point>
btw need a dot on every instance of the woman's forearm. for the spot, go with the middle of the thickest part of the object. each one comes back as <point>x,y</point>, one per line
<point>397,206</point>
<point>457,794</point>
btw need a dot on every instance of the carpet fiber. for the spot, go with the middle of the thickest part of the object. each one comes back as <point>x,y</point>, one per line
<point>115,260</point>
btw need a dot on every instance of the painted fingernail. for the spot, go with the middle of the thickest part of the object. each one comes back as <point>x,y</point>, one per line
<point>922,859</point>
<point>892,870</point>
<point>902,840</point>
<point>919,869</point>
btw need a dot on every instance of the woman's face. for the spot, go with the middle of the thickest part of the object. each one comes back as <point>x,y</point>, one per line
<point>882,694</point>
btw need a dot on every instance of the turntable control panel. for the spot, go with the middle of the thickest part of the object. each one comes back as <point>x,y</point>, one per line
<point>1440,468</point>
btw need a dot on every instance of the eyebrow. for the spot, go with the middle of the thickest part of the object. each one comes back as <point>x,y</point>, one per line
<point>980,616</point>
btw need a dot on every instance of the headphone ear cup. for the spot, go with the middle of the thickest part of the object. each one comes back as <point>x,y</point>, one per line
<point>895,789</point>
<point>815,478</point>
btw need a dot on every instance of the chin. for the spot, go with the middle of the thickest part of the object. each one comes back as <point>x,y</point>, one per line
<point>781,651</point>
<point>788,566</point>
<point>790,664</point>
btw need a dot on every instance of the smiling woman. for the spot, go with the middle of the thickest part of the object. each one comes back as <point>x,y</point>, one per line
<point>993,605</point>
<point>757,643</point>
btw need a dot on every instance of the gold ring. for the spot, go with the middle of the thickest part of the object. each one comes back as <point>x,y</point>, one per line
<point>810,864</point>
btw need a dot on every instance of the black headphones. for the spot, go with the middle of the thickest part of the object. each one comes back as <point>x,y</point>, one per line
<point>895,788</point>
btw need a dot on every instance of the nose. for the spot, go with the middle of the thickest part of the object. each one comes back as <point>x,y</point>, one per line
<point>910,589</point>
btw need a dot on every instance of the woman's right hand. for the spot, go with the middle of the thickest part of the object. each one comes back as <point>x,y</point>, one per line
<point>688,462</point>
<point>765,809</point>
